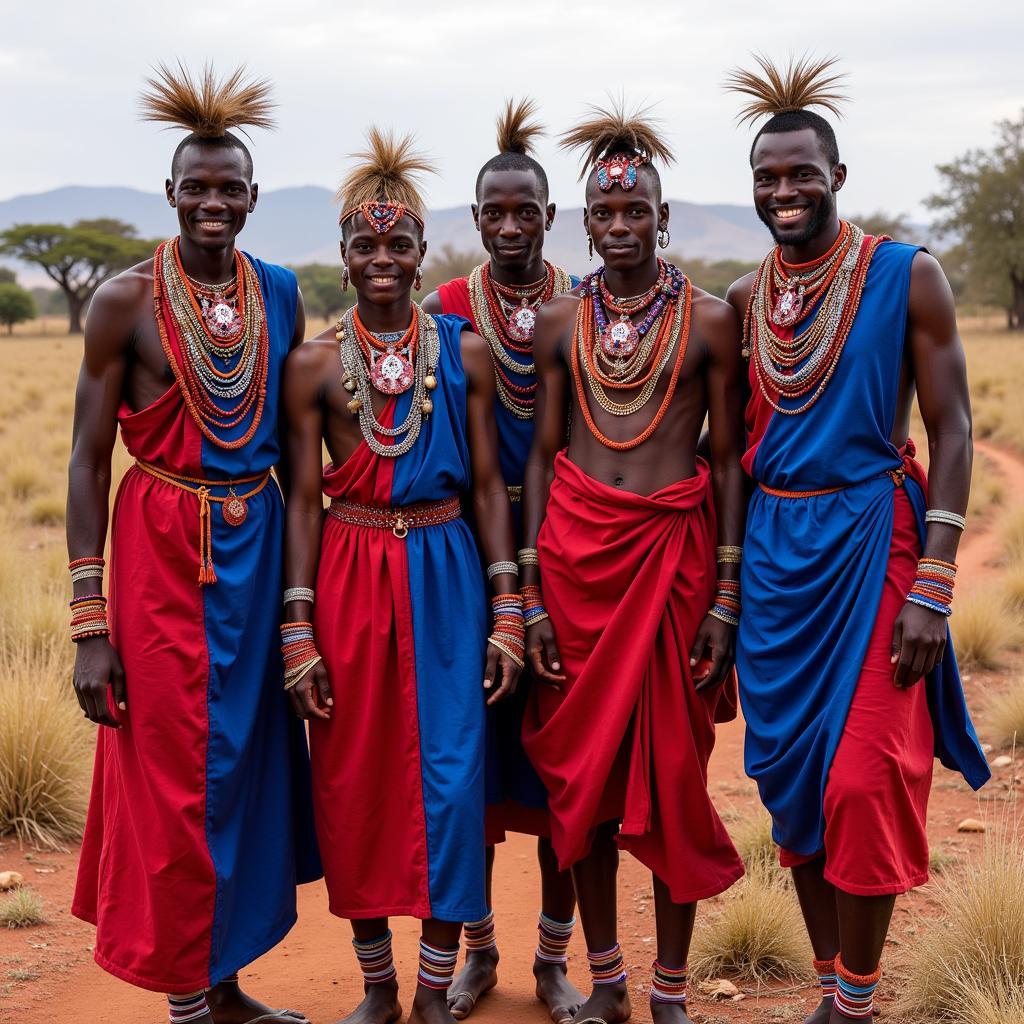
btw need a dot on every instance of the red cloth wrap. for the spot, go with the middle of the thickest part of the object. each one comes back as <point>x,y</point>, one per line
<point>627,580</point>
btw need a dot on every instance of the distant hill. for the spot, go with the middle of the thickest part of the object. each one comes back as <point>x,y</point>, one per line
<point>299,225</point>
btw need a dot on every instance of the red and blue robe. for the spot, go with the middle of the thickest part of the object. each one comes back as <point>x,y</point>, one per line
<point>402,627</point>
<point>823,580</point>
<point>200,819</point>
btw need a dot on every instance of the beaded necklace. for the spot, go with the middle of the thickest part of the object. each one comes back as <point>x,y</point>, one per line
<point>506,316</point>
<point>219,305</point>
<point>390,356</point>
<point>797,286</point>
<point>792,367</point>
<point>356,352</point>
<point>199,380</point>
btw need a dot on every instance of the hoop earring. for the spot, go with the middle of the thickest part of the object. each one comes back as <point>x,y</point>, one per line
<point>344,278</point>
<point>590,246</point>
<point>664,238</point>
<point>418,280</point>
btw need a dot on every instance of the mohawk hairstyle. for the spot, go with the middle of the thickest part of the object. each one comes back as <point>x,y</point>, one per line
<point>387,171</point>
<point>785,96</point>
<point>516,134</point>
<point>207,108</point>
<point>614,130</point>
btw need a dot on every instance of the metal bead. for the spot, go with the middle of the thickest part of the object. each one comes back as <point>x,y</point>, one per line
<point>355,405</point>
<point>430,382</point>
<point>427,407</point>
<point>338,335</point>
<point>348,384</point>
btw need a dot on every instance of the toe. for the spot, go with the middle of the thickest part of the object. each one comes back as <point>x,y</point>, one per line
<point>461,1006</point>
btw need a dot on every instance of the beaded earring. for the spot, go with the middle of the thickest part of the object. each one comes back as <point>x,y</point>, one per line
<point>664,238</point>
<point>418,281</point>
<point>344,278</point>
<point>590,247</point>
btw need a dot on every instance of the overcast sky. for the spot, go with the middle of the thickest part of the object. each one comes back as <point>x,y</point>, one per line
<point>927,82</point>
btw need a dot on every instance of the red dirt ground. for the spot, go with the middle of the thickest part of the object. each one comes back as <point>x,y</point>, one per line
<point>55,980</point>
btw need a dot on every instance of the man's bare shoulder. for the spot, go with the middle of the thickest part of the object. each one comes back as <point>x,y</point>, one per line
<point>314,352</point>
<point>739,291</point>
<point>123,293</point>
<point>558,311</point>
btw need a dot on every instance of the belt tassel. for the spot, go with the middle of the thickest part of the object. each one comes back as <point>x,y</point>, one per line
<point>207,574</point>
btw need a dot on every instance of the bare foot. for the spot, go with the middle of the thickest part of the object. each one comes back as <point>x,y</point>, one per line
<point>668,1013</point>
<point>478,976</point>
<point>556,991</point>
<point>430,1007</point>
<point>822,1012</point>
<point>380,1005</point>
<point>230,1005</point>
<point>608,1003</point>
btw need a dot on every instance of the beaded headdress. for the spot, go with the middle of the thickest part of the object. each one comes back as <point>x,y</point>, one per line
<point>204,106</point>
<point>383,185</point>
<point>805,82</point>
<point>616,143</point>
<point>515,130</point>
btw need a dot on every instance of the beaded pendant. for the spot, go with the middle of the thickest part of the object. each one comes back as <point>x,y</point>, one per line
<point>382,217</point>
<point>618,170</point>
<point>522,322</point>
<point>620,339</point>
<point>392,373</point>
<point>234,509</point>
<point>788,306</point>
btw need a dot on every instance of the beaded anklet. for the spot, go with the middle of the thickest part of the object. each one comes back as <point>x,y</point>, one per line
<point>509,632</point>
<point>608,968</point>
<point>299,651</point>
<point>437,966</point>
<point>480,934</point>
<point>855,992</point>
<point>933,585</point>
<point>376,960</point>
<point>826,972</point>
<point>727,602</point>
<point>88,617</point>
<point>669,984</point>
<point>553,941</point>
<point>185,1008</point>
<point>533,604</point>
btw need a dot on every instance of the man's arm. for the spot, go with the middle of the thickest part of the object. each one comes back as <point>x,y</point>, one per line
<point>302,409</point>
<point>550,416</point>
<point>432,304</point>
<point>298,333</point>
<point>725,418</point>
<point>490,495</point>
<point>940,373</point>
<point>108,335</point>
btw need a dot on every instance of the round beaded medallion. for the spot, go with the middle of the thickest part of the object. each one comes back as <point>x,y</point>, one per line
<point>234,509</point>
<point>521,323</point>
<point>392,373</point>
<point>620,339</point>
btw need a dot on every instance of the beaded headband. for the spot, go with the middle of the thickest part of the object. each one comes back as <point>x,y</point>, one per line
<point>382,216</point>
<point>620,170</point>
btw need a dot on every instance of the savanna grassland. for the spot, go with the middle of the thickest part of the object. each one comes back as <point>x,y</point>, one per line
<point>956,951</point>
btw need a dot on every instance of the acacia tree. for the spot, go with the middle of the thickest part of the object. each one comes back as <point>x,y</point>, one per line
<point>78,257</point>
<point>982,204</point>
<point>16,305</point>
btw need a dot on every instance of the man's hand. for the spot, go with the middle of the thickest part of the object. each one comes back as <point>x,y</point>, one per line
<point>311,696</point>
<point>97,667</point>
<point>918,643</point>
<point>542,653</point>
<point>713,652</point>
<point>509,675</point>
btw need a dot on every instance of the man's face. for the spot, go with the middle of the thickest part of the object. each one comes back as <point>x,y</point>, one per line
<point>625,225</point>
<point>512,218</point>
<point>794,186</point>
<point>383,267</point>
<point>212,194</point>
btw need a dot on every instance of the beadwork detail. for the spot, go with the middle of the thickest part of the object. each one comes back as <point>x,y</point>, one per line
<point>620,170</point>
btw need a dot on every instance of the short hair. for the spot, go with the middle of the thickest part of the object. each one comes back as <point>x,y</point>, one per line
<point>220,142</point>
<point>797,121</point>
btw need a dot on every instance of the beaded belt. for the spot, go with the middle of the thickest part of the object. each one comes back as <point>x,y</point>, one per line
<point>398,520</point>
<point>896,475</point>
<point>233,506</point>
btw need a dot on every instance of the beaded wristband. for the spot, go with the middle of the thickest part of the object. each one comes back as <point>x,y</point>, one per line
<point>727,602</point>
<point>86,569</point>
<point>533,604</point>
<point>528,556</point>
<point>933,585</point>
<point>939,515</point>
<point>509,632</point>
<point>298,594</point>
<point>88,617</point>
<point>729,554</point>
<point>299,651</point>
<point>497,568</point>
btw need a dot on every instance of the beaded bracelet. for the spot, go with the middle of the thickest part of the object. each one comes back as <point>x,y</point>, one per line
<point>497,568</point>
<point>933,585</point>
<point>509,631</point>
<point>533,605</point>
<point>528,556</point>
<point>729,554</point>
<point>86,569</point>
<point>727,602</point>
<point>88,617</point>
<point>299,651</point>
<point>298,594</point>
<point>939,515</point>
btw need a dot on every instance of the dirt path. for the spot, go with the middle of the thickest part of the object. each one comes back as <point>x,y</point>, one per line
<point>47,974</point>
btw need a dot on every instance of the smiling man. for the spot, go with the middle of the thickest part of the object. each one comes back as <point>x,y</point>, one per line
<point>501,299</point>
<point>631,628</point>
<point>200,822</point>
<point>847,676</point>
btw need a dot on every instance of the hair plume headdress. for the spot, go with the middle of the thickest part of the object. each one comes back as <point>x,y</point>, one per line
<point>516,133</point>
<point>205,106</point>
<point>805,82</point>
<point>612,130</point>
<point>386,174</point>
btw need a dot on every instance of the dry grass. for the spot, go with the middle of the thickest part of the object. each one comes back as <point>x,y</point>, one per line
<point>984,629</point>
<point>757,934</point>
<point>1006,716</point>
<point>995,366</point>
<point>988,491</point>
<point>1012,536</point>
<point>22,909</point>
<point>969,966</point>
<point>752,836</point>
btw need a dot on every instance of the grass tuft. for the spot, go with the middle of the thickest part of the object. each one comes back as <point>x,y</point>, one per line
<point>752,836</point>
<point>1006,715</point>
<point>1013,538</point>
<point>984,629</point>
<point>22,909</point>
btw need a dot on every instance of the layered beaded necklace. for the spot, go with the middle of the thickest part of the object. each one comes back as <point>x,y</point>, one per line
<point>506,316</point>
<point>391,364</point>
<point>784,295</point>
<point>214,328</point>
<point>623,355</point>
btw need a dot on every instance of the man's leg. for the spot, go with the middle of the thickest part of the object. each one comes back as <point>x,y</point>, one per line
<point>372,942</point>
<point>595,877</point>
<point>557,919</point>
<point>675,929</point>
<point>228,1004</point>
<point>439,952</point>
<point>188,1008</point>
<point>479,974</point>
<point>818,905</point>
<point>863,925</point>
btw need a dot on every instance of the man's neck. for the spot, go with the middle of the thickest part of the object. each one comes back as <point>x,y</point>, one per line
<point>530,274</point>
<point>386,319</point>
<point>210,266</point>
<point>816,247</point>
<point>632,281</point>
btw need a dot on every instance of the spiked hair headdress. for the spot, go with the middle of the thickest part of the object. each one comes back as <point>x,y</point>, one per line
<point>805,82</point>
<point>384,183</point>
<point>516,133</point>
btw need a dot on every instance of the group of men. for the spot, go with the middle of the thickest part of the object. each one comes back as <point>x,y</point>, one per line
<point>292,692</point>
